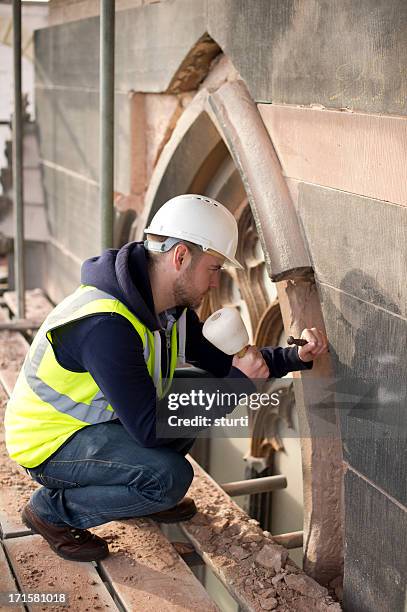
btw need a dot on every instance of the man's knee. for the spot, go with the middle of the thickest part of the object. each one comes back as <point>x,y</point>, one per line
<point>178,478</point>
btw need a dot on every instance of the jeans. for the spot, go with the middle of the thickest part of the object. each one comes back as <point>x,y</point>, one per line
<point>102,475</point>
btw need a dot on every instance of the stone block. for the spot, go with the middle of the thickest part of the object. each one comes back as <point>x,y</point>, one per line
<point>35,223</point>
<point>122,140</point>
<point>357,245</point>
<point>151,44</point>
<point>317,52</point>
<point>354,152</point>
<point>35,265</point>
<point>68,125</point>
<point>375,553</point>
<point>33,191</point>
<point>67,55</point>
<point>161,114</point>
<point>366,345</point>
<point>73,212</point>
<point>30,146</point>
<point>63,273</point>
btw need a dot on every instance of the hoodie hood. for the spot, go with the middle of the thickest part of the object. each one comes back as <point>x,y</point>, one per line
<point>123,273</point>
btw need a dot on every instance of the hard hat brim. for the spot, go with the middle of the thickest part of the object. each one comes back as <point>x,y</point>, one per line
<point>231,261</point>
<point>234,263</point>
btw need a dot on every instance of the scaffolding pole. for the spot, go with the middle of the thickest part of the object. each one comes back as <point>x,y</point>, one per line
<point>255,485</point>
<point>18,165</point>
<point>106,146</point>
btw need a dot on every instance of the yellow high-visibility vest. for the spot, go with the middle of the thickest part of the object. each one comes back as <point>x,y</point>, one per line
<point>50,403</point>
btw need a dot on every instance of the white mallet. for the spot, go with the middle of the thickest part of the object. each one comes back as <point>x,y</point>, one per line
<point>225,330</point>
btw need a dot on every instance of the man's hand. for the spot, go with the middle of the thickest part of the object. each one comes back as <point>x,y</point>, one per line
<point>252,364</point>
<point>317,344</point>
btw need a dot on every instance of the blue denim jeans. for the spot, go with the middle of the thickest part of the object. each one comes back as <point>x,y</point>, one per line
<point>102,475</point>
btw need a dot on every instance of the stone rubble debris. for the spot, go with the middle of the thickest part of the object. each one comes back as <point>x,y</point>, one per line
<point>246,558</point>
<point>272,557</point>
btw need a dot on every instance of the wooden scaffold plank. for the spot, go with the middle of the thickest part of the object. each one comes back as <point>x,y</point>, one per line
<point>7,584</point>
<point>39,570</point>
<point>38,305</point>
<point>147,573</point>
<point>13,349</point>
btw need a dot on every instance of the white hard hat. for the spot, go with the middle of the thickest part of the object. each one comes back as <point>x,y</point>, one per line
<point>200,220</point>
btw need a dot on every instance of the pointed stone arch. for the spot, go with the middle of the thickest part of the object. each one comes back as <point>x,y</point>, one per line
<point>221,123</point>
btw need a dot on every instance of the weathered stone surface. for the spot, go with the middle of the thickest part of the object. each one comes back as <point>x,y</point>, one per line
<point>375,562</point>
<point>317,52</point>
<point>257,162</point>
<point>148,51</point>
<point>321,454</point>
<point>195,65</point>
<point>272,557</point>
<point>277,578</point>
<point>371,380</point>
<point>305,585</point>
<point>161,113</point>
<point>63,274</point>
<point>61,11</point>
<point>356,152</point>
<point>71,200</point>
<point>68,122</point>
<point>341,231</point>
<point>67,55</point>
<point>239,553</point>
<point>193,140</point>
<point>35,268</point>
<point>269,603</point>
<point>68,126</point>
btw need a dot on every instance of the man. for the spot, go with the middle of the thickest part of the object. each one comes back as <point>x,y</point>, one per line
<point>82,416</point>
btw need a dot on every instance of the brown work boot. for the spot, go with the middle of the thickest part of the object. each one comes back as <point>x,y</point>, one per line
<point>183,511</point>
<point>68,542</point>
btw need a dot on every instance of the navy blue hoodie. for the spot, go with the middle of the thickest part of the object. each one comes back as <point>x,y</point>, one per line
<point>108,347</point>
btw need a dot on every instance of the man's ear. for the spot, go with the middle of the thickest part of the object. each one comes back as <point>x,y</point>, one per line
<point>181,256</point>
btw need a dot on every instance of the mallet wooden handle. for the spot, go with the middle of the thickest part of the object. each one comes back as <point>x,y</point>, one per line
<point>297,341</point>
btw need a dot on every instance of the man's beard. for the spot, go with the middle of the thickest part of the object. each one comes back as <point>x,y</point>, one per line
<point>183,293</point>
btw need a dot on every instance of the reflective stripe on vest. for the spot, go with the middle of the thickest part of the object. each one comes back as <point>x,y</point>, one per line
<point>97,410</point>
<point>182,336</point>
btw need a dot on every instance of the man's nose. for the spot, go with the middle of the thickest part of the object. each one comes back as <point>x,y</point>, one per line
<point>214,282</point>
